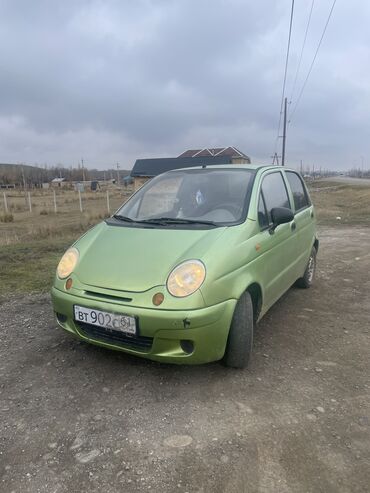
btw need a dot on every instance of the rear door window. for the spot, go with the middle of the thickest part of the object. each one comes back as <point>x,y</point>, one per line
<point>274,192</point>
<point>300,196</point>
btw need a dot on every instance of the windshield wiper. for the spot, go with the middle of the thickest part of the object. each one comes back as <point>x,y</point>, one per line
<point>164,220</point>
<point>176,220</point>
<point>123,218</point>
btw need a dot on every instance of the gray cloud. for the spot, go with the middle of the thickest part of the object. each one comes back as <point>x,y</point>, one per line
<point>115,80</point>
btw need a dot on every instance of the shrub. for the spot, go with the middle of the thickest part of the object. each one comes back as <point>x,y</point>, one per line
<point>7,218</point>
<point>17,207</point>
<point>43,212</point>
<point>92,217</point>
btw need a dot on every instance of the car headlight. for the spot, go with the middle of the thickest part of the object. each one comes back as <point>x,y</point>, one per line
<point>67,263</point>
<point>186,278</point>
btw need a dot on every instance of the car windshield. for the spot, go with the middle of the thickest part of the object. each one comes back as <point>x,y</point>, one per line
<point>204,196</point>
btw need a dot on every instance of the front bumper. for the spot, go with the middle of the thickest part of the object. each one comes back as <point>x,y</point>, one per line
<point>161,332</point>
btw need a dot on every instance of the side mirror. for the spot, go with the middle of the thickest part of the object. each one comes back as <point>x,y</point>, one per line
<point>280,215</point>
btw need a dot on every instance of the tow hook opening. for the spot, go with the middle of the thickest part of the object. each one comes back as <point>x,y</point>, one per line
<point>61,318</point>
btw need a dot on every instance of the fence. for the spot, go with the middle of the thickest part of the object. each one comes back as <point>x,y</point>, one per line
<point>39,214</point>
<point>59,202</point>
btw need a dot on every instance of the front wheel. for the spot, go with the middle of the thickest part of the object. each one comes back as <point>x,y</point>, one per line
<point>306,281</point>
<point>240,340</point>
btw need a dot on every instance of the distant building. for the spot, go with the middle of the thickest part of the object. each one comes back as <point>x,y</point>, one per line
<point>145,169</point>
<point>94,185</point>
<point>58,182</point>
<point>128,180</point>
<point>236,156</point>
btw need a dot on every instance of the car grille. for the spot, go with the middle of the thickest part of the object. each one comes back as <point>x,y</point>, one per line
<point>115,337</point>
<point>104,296</point>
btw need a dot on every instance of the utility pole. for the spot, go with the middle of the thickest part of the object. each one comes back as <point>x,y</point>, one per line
<point>284,132</point>
<point>301,166</point>
<point>83,170</point>
<point>23,178</point>
<point>275,157</point>
<point>118,174</point>
<point>24,185</point>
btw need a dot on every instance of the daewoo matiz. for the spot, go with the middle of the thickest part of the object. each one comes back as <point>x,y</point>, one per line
<point>186,267</point>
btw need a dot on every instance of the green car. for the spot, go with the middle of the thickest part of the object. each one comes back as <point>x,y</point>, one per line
<point>185,268</point>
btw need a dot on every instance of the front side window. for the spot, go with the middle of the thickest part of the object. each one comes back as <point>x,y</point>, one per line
<point>300,197</point>
<point>218,196</point>
<point>274,192</point>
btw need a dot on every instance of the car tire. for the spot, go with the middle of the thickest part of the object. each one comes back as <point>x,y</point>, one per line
<point>306,281</point>
<point>240,340</point>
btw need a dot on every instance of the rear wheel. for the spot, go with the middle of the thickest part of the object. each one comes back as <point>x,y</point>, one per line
<point>240,340</point>
<point>306,281</point>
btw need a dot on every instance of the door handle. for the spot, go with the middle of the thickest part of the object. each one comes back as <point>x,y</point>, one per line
<point>293,226</point>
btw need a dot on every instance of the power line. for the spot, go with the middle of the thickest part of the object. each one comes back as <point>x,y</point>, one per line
<point>302,50</point>
<point>313,61</point>
<point>284,133</point>
<point>285,71</point>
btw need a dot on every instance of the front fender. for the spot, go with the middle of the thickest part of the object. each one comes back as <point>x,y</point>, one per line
<point>232,268</point>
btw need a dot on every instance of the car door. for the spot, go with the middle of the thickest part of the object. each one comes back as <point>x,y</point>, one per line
<point>276,249</point>
<point>304,220</point>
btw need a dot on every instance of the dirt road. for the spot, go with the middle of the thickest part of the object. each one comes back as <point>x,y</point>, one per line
<point>76,418</point>
<point>348,180</point>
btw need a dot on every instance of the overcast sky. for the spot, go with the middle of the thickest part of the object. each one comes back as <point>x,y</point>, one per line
<point>114,80</point>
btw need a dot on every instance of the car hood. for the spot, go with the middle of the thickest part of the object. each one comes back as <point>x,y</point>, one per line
<point>137,259</point>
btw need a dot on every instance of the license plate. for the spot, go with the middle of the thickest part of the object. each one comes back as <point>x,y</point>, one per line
<point>109,321</point>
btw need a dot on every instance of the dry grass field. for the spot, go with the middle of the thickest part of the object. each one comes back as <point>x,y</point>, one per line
<point>20,225</point>
<point>334,200</point>
<point>32,242</point>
